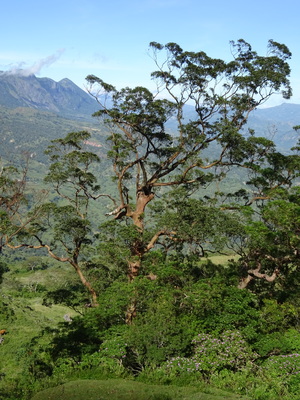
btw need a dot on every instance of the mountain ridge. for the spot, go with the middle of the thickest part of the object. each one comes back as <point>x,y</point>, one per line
<point>66,100</point>
<point>45,94</point>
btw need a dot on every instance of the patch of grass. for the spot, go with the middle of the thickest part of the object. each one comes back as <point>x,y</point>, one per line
<point>53,276</point>
<point>116,389</point>
<point>30,318</point>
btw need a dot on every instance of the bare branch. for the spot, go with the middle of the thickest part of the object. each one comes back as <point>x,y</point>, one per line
<point>155,238</point>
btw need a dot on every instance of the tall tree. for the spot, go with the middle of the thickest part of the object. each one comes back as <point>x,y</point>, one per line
<point>145,155</point>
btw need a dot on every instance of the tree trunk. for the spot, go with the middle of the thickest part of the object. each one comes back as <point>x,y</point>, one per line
<point>143,197</point>
<point>87,284</point>
<point>133,269</point>
<point>131,312</point>
<point>138,249</point>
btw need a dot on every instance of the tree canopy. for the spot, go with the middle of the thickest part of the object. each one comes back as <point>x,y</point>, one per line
<point>147,157</point>
<point>170,146</point>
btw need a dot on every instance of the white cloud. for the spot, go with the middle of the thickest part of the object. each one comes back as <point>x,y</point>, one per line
<point>34,69</point>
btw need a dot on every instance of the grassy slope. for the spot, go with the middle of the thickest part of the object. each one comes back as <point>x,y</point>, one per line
<point>30,316</point>
<point>29,320</point>
<point>116,389</point>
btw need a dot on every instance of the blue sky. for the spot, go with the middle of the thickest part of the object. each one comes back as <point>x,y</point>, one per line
<point>109,39</point>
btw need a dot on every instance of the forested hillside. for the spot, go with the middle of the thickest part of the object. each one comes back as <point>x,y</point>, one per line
<point>26,130</point>
<point>153,253</point>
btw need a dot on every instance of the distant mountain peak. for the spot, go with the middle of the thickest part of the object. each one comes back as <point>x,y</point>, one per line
<point>45,94</point>
<point>67,81</point>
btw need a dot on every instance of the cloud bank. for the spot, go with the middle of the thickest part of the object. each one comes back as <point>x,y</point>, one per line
<point>35,68</point>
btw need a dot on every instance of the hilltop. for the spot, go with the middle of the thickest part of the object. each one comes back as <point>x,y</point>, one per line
<point>44,94</point>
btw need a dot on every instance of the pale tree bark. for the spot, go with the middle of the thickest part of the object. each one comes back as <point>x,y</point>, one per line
<point>255,273</point>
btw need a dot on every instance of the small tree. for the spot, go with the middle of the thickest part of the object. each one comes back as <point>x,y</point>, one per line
<point>273,242</point>
<point>64,227</point>
<point>271,234</point>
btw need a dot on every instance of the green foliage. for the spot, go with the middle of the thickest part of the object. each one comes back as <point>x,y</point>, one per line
<point>84,335</point>
<point>6,311</point>
<point>198,227</point>
<point>167,320</point>
<point>13,202</point>
<point>189,320</point>
<point>257,386</point>
<point>159,331</point>
<point>278,342</point>
<point>279,316</point>
<point>279,171</point>
<point>218,307</point>
<point>284,367</point>
<point>75,339</point>
<point>113,348</point>
<point>3,268</point>
<point>72,296</point>
<point>210,355</point>
<point>273,245</point>
<point>70,169</point>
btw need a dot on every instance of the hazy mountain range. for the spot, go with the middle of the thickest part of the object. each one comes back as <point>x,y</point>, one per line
<point>277,124</point>
<point>37,110</point>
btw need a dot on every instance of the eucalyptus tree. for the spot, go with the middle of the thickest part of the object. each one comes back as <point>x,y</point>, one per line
<point>147,157</point>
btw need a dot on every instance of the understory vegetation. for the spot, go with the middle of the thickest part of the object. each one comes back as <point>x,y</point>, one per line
<point>188,286</point>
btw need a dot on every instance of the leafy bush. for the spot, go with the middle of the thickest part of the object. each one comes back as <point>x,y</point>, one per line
<point>108,361</point>
<point>253,384</point>
<point>217,307</point>
<point>278,343</point>
<point>283,366</point>
<point>161,329</point>
<point>212,354</point>
<point>3,268</point>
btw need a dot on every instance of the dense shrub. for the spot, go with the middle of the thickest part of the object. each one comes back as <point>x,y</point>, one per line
<point>212,354</point>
